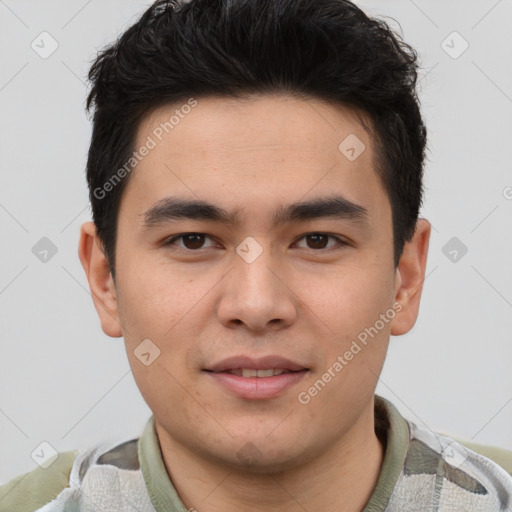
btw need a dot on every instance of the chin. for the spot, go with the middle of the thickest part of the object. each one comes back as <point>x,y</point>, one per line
<point>264,465</point>
<point>262,456</point>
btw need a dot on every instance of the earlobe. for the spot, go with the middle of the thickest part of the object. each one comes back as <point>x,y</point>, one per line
<point>410,277</point>
<point>95,264</point>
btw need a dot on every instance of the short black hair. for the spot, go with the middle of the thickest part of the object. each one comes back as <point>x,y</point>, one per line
<point>323,49</point>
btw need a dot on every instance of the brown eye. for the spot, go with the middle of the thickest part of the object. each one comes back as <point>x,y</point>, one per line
<point>318,241</point>
<point>193,241</point>
<point>190,241</point>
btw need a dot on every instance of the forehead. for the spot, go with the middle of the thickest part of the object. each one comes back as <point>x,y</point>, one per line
<point>254,152</point>
<point>277,120</point>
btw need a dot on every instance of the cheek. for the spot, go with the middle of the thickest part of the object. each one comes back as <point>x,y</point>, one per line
<point>349,298</point>
<point>154,298</point>
<point>163,305</point>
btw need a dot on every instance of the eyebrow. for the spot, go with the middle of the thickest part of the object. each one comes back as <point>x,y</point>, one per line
<point>337,207</point>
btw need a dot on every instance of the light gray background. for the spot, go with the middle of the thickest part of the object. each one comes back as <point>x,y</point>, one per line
<point>63,381</point>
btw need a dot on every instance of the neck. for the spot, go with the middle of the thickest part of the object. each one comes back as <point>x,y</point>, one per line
<point>341,479</point>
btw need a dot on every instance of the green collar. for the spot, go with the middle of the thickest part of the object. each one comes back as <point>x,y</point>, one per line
<point>161,491</point>
<point>393,429</point>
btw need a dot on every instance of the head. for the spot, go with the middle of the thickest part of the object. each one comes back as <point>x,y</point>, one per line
<point>288,135</point>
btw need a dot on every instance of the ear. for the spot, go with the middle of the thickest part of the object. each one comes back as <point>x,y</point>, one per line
<point>410,275</point>
<point>92,257</point>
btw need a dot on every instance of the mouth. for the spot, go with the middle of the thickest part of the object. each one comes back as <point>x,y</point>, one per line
<point>251,372</point>
<point>246,366</point>
<point>256,379</point>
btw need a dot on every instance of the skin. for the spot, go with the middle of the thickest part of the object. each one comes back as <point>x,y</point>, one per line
<point>295,300</point>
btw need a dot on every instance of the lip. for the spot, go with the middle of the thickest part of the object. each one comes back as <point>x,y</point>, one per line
<point>260,363</point>
<point>257,388</point>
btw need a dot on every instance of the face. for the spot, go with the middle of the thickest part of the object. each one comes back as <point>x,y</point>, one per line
<point>272,270</point>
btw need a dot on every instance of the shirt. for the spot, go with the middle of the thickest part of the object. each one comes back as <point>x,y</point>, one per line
<point>421,471</point>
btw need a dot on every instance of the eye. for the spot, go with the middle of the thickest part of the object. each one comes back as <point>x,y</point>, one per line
<point>318,241</point>
<point>191,241</point>
<point>195,241</point>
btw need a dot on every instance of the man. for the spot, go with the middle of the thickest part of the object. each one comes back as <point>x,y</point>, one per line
<point>255,174</point>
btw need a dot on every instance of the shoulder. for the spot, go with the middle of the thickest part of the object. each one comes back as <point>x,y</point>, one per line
<point>109,469</point>
<point>461,472</point>
<point>497,455</point>
<point>32,490</point>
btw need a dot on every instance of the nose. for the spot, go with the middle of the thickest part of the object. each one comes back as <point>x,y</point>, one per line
<point>257,294</point>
